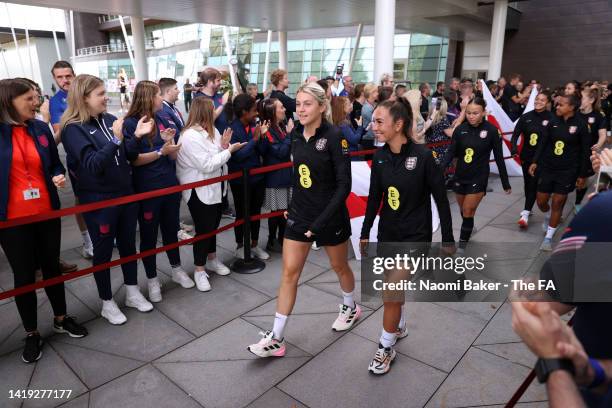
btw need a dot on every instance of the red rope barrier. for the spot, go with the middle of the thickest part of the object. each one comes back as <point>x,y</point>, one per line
<point>139,197</point>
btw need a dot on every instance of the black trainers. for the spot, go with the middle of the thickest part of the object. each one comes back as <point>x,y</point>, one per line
<point>70,327</point>
<point>33,348</point>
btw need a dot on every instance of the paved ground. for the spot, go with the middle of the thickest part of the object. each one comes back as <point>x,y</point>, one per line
<point>191,350</point>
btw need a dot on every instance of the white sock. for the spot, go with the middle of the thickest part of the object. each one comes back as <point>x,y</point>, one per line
<point>86,239</point>
<point>348,299</point>
<point>132,290</point>
<point>387,339</point>
<point>153,280</point>
<point>402,322</point>
<point>550,232</point>
<point>525,214</point>
<point>279,326</point>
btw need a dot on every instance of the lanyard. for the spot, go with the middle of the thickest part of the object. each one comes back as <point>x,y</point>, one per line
<point>176,111</point>
<point>19,144</point>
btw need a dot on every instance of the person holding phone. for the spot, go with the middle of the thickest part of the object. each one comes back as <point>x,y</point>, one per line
<point>154,168</point>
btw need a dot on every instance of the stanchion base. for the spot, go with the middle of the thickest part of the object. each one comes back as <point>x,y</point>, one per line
<point>253,265</point>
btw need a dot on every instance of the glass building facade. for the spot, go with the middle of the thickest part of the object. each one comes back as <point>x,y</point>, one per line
<point>417,57</point>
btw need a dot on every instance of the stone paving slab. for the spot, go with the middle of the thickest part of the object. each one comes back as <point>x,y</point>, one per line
<point>338,377</point>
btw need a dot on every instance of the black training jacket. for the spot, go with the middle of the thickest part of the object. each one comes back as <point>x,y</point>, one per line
<point>404,183</point>
<point>566,146</point>
<point>321,178</point>
<point>472,146</point>
<point>531,125</point>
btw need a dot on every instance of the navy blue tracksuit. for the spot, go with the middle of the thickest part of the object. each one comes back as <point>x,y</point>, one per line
<point>159,212</point>
<point>101,171</point>
<point>170,116</point>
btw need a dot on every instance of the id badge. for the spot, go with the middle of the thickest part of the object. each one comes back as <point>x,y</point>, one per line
<point>31,194</point>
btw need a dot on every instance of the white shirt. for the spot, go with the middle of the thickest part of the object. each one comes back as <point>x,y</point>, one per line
<point>200,159</point>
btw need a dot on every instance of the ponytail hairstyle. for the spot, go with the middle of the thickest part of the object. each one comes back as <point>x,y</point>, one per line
<point>594,94</point>
<point>316,91</point>
<point>242,103</point>
<point>267,112</point>
<point>143,104</point>
<point>80,88</point>
<point>478,100</point>
<point>399,110</point>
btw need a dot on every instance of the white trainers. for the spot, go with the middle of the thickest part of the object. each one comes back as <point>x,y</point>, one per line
<point>112,313</point>
<point>182,235</point>
<point>268,346</point>
<point>239,253</point>
<point>186,227</point>
<point>546,245</point>
<point>314,246</point>
<point>545,223</point>
<point>154,290</point>
<point>400,333</point>
<point>135,299</point>
<point>216,266</point>
<point>180,276</point>
<point>346,318</point>
<point>202,283</point>
<point>87,251</point>
<point>381,364</point>
<point>259,253</point>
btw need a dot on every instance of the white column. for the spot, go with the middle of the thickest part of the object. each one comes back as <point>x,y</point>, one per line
<point>282,49</point>
<point>498,31</point>
<point>384,31</point>
<point>126,39</point>
<point>230,66</point>
<point>267,63</point>
<point>355,49</point>
<point>72,39</point>
<point>140,57</point>
<point>15,42</point>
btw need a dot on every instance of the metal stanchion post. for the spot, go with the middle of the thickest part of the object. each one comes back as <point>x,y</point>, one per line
<point>248,264</point>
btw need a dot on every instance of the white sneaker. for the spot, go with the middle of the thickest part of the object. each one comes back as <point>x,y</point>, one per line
<point>182,235</point>
<point>202,283</point>
<point>216,266</point>
<point>314,246</point>
<point>186,227</point>
<point>546,245</point>
<point>87,251</point>
<point>268,346</point>
<point>400,333</point>
<point>381,364</point>
<point>346,318</point>
<point>259,253</point>
<point>545,224</point>
<point>239,253</point>
<point>180,276</point>
<point>112,313</point>
<point>135,299</point>
<point>154,290</point>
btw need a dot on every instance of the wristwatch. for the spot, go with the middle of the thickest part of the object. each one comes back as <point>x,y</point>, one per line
<point>545,366</point>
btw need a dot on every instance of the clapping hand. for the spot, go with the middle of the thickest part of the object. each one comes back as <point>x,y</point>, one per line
<point>144,127</point>
<point>59,181</point>
<point>227,136</point>
<point>169,147</point>
<point>290,125</point>
<point>168,134</point>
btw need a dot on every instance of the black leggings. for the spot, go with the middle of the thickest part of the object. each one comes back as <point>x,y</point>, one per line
<point>531,186</point>
<point>256,199</point>
<point>206,218</point>
<point>27,247</point>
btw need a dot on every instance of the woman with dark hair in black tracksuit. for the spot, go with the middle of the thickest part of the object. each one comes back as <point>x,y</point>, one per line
<point>531,125</point>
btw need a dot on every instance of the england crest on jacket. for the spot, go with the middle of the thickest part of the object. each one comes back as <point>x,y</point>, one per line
<point>411,163</point>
